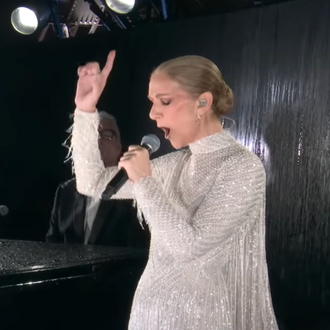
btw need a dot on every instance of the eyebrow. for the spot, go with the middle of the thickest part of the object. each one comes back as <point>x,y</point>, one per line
<point>160,95</point>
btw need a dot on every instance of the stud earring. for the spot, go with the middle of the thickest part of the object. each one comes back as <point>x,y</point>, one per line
<point>202,103</point>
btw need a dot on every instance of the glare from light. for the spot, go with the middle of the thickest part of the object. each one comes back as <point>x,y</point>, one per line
<point>120,6</point>
<point>24,20</point>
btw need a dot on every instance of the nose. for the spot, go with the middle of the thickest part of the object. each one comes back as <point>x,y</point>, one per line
<point>153,113</point>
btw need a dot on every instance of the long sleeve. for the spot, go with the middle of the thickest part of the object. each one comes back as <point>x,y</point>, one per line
<point>232,204</point>
<point>91,174</point>
<point>53,235</point>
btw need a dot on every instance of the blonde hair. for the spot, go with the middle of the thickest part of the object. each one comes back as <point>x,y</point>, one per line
<point>197,75</point>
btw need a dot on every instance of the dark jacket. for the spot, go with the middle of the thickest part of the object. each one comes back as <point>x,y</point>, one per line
<point>115,224</point>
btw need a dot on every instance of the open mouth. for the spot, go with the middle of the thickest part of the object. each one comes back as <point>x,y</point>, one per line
<point>166,131</point>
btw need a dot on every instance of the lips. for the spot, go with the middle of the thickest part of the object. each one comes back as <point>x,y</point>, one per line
<point>166,131</point>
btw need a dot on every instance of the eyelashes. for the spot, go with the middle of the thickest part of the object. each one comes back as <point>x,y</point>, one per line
<point>165,102</point>
<point>162,102</point>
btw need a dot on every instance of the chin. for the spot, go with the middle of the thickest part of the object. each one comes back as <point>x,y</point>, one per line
<point>178,144</point>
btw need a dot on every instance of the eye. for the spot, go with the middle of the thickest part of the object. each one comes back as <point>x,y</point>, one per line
<point>108,134</point>
<point>163,102</point>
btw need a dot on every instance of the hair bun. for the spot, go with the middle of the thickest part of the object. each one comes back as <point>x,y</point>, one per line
<point>225,101</point>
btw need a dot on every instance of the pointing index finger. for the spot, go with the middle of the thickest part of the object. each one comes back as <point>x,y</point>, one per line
<point>109,64</point>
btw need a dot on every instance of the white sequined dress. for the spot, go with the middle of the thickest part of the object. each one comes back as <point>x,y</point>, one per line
<point>205,208</point>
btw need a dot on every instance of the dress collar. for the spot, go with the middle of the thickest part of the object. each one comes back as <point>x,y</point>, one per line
<point>212,143</point>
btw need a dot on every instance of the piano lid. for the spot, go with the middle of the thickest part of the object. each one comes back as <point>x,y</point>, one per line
<point>29,256</point>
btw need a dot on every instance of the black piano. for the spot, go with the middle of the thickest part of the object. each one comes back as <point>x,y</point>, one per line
<point>57,286</point>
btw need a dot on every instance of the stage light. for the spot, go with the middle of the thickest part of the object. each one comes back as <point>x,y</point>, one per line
<point>120,6</point>
<point>24,20</point>
<point>28,19</point>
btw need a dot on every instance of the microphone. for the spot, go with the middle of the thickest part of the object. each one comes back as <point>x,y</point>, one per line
<point>151,143</point>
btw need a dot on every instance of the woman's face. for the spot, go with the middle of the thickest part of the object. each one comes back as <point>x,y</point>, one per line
<point>173,109</point>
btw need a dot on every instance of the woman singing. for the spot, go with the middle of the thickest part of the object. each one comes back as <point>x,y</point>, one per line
<point>205,204</point>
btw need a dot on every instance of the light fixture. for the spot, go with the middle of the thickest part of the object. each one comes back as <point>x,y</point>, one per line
<point>30,18</point>
<point>120,6</point>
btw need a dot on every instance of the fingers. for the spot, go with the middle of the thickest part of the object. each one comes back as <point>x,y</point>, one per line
<point>132,151</point>
<point>92,68</point>
<point>82,71</point>
<point>134,147</point>
<point>127,155</point>
<point>109,64</point>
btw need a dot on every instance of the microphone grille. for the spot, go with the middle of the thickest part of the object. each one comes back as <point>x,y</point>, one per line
<point>152,141</point>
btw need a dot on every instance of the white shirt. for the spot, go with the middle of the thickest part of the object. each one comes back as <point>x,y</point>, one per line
<point>92,207</point>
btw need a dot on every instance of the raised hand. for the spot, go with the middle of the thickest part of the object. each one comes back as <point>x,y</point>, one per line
<point>91,83</point>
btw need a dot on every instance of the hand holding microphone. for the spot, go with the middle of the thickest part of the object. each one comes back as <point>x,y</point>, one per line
<point>134,165</point>
<point>136,162</point>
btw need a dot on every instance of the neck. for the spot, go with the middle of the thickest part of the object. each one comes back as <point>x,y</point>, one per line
<point>208,127</point>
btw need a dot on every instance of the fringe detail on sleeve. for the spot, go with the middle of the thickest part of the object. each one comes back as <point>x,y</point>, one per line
<point>67,144</point>
<point>139,213</point>
<point>68,141</point>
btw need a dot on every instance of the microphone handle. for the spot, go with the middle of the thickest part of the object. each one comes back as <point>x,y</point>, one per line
<point>116,183</point>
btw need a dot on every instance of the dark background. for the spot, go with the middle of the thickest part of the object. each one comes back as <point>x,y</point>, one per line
<point>277,61</point>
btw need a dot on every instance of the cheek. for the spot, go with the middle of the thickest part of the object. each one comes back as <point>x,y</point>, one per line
<point>181,115</point>
<point>109,149</point>
<point>184,119</point>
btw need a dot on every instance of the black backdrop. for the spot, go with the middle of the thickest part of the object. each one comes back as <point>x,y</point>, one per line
<point>277,61</point>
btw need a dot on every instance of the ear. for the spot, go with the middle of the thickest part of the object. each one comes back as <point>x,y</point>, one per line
<point>204,102</point>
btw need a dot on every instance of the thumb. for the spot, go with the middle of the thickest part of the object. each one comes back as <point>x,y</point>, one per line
<point>109,64</point>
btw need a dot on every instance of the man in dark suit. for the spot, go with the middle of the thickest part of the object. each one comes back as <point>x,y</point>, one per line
<point>78,219</point>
